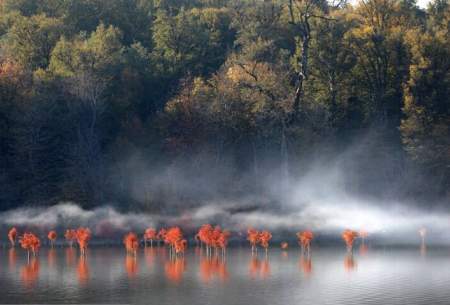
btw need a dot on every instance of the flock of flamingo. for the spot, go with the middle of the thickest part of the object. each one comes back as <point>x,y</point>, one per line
<point>213,239</point>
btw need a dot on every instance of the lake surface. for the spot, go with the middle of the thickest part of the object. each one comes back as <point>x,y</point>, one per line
<point>107,276</point>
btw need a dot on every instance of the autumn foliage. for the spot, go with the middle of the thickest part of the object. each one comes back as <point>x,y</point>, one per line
<point>174,239</point>
<point>151,235</point>
<point>213,238</point>
<point>30,242</point>
<point>253,239</point>
<point>83,236</point>
<point>304,240</point>
<point>52,237</point>
<point>131,243</point>
<point>349,237</point>
<point>70,236</point>
<point>12,235</point>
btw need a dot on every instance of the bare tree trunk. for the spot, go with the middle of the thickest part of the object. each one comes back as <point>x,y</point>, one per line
<point>302,74</point>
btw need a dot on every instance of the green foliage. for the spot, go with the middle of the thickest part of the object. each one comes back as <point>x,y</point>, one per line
<point>86,83</point>
<point>426,126</point>
<point>29,41</point>
<point>100,54</point>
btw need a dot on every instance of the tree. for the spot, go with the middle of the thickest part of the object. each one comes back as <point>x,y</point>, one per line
<point>30,41</point>
<point>425,128</point>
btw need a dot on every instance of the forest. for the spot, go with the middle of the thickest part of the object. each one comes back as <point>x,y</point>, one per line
<point>141,103</point>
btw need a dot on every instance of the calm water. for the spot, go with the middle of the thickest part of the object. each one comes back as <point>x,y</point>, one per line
<point>374,276</point>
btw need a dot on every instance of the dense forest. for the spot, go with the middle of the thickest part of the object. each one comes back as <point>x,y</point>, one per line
<point>140,102</point>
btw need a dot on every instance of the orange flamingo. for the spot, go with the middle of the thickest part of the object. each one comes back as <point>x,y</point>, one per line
<point>70,236</point>
<point>349,237</point>
<point>284,245</point>
<point>264,238</point>
<point>304,240</point>
<point>131,243</point>
<point>149,234</point>
<point>12,235</point>
<point>83,236</point>
<point>31,243</point>
<point>52,237</point>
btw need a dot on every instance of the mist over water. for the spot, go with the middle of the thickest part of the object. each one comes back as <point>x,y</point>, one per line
<point>322,193</point>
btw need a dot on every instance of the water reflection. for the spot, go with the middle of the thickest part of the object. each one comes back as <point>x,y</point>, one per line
<point>306,264</point>
<point>258,269</point>
<point>150,255</point>
<point>51,257</point>
<point>423,249</point>
<point>212,267</point>
<point>174,269</point>
<point>101,278</point>
<point>70,256</point>
<point>12,259</point>
<point>83,270</point>
<point>30,272</point>
<point>131,266</point>
<point>363,249</point>
<point>349,262</point>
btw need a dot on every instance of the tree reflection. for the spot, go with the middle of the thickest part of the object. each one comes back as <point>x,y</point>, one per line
<point>83,270</point>
<point>213,267</point>
<point>306,264</point>
<point>174,269</point>
<point>12,258</point>
<point>349,262</point>
<point>30,272</point>
<point>131,266</point>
